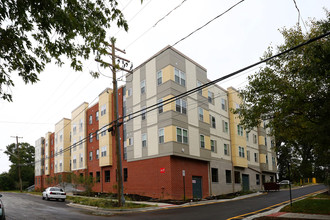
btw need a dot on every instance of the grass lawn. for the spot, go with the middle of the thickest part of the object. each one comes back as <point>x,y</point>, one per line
<point>319,204</point>
<point>104,203</point>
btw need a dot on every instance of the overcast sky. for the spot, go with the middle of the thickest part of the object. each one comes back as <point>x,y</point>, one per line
<point>233,41</point>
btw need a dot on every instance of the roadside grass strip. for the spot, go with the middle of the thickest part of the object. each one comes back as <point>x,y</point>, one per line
<point>275,206</point>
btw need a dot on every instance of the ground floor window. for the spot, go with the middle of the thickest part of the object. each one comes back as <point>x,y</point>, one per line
<point>215,177</point>
<point>257,179</point>
<point>125,174</point>
<point>228,176</point>
<point>237,177</point>
<point>107,176</point>
<point>98,176</point>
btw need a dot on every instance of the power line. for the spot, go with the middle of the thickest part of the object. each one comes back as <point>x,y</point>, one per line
<point>170,100</point>
<point>155,24</point>
<point>208,22</point>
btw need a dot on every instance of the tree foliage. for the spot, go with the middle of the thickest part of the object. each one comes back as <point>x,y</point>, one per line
<point>292,92</point>
<point>9,181</point>
<point>33,33</point>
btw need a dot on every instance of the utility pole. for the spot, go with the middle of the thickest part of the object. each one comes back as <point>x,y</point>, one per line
<point>19,163</point>
<point>121,198</point>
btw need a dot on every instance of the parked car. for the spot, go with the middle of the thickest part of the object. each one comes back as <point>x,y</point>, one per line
<point>2,210</point>
<point>54,193</point>
<point>284,182</point>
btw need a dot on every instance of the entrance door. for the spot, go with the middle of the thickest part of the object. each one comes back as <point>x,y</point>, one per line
<point>246,183</point>
<point>197,187</point>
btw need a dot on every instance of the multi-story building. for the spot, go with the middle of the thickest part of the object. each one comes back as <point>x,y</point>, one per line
<point>191,146</point>
<point>39,168</point>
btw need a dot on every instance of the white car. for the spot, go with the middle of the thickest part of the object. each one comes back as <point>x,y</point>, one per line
<point>284,182</point>
<point>54,193</point>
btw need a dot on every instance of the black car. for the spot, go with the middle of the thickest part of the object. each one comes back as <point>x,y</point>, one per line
<point>2,210</point>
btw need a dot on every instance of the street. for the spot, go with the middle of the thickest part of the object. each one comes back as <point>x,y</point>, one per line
<point>24,206</point>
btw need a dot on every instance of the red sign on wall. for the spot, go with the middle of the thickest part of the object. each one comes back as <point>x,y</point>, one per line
<point>162,170</point>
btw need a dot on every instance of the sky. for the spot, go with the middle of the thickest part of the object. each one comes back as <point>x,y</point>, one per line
<point>233,41</point>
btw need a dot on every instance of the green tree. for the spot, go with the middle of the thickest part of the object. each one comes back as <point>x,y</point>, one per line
<point>26,162</point>
<point>33,33</point>
<point>292,92</point>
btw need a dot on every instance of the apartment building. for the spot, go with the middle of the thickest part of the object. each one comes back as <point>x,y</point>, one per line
<point>62,143</point>
<point>39,168</point>
<point>190,147</point>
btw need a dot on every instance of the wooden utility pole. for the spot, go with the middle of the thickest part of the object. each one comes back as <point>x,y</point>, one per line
<point>18,163</point>
<point>121,198</point>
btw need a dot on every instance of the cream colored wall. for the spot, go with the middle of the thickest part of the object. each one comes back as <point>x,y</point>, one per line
<point>153,140</point>
<point>191,77</point>
<point>38,157</point>
<point>193,135</point>
<point>47,153</point>
<point>170,133</point>
<point>170,106</point>
<point>79,114</point>
<point>105,98</point>
<point>151,85</point>
<point>136,87</point>
<point>62,127</point>
<point>152,115</point>
<point>192,114</point>
<point>137,144</point>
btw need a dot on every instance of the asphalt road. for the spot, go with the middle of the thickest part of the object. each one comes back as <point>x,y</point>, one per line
<point>22,206</point>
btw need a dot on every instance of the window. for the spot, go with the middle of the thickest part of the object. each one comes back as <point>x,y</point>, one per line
<point>143,113</point>
<point>159,77</point>
<point>257,179</point>
<point>272,145</point>
<point>81,160</point>
<point>181,135</point>
<point>200,91</point>
<point>200,114</point>
<point>266,159</point>
<point>212,119</point>
<point>74,162</point>
<point>254,138</point>
<point>90,137</point>
<point>181,106</point>
<point>80,142</point>
<point>98,176</point>
<point>61,137</point>
<point>202,142</point>
<point>240,130</point>
<point>91,175</point>
<point>215,177</point>
<point>265,141</point>
<point>97,116</point>
<point>144,140</point>
<point>226,149</point>
<point>103,151</point>
<point>91,119</point>
<point>143,86</point>
<point>180,77</point>
<point>237,177</point>
<point>247,136</point>
<point>213,145</point>
<point>160,106</point>
<point>90,155</point>
<point>161,135</point>
<point>255,157</point>
<point>248,155</point>
<point>74,145</point>
<point>224,104</point>
<point>225,126</point>
<point>228,176</point>
<point>107,176</point>
<point>80,125</point>
<point>210,97</point>
<point>74,130</point>
<point>273,161</point>
<point>103,109</point>
<point>129,92</point>
<point>241,151</point>
<point>130,141</point>
<point>125,174</point>
<point>97,154</point>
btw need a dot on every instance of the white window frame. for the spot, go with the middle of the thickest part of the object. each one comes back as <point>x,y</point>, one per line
<point>181,106</point>
<point>144,139</point>
<point>143,113</point>
<point>200,91</point>
<point>161,135</point>
<point>179,77</point>
<point>200,114</point>
<point>224,104</point>
<point>226,149</point>
<point>143,86</point>
<point>159,77</point>
<point>213,121</point>
<point>210,97</point>
<point>184,139</point>
<point>103,109</point>
<point>213,145</point>
<point>160,106</point>
<point>202,141</point>
<point>103,151</point>
<point>241,152</point>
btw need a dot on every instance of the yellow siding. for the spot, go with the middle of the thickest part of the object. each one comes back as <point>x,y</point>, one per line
<point>170,133</point>
<point>261,140</point>
<point>206,116</point>
<point>170,106</point>
<point>262,158</point>
<point>207,142</point>
<point>105,141</point>
<point>205,93</point>
<point>168,73</point>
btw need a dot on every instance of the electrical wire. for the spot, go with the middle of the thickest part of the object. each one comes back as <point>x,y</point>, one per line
<point>121,120</point>
<point>299,16</point>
